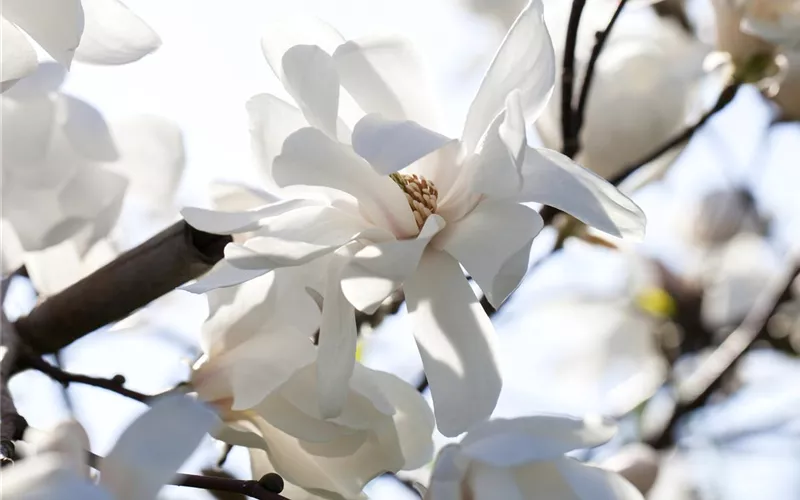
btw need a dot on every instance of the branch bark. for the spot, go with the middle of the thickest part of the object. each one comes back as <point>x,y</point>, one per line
<point>171,258</point>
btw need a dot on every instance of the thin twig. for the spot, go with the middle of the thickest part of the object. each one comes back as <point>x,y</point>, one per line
<point>266,488</point>
<point>583,100</point>
<point>699,386</point>
<point>570,143</point>
<point>724,99</point>
<point>171,258</point>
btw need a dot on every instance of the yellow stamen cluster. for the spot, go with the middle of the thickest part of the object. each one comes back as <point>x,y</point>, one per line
<point>421,194</point>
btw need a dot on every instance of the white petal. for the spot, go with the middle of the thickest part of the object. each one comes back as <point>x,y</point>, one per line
<point>19,56</point>
<point>488,482</point>
<point>69,439</point>
<point>311,158</point>
<point>152,156</point>
<point>525,61</point>
<point>272,120</point>
<point>390,145</point>
<point>282,414</point>
<point>45,478</point>
<point>284,32</point>
<point>309,75</point>
<point>448,473</point>
<point>384,75</point>
<point>222,275</point>
<point>337,342</point>
<point>152,448</point>
<point>113,34</point>
<point>488,238</point>
<point>251,370</point>
<point>28,129</point>
<point>378,270</point>
<point>511,442</point>
<point>553,179</point>
<point>501,153</point>
<point>87,130</point>
<point>235,196</point>
<point>236,436</point>
<point>217,222</point>
<point>588,482</point>
<point>56,25</point>
<point>456,342</point>
<point>413,419</point>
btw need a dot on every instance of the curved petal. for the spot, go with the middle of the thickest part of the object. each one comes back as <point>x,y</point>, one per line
<point>310,157</point>
<point>87,130</point>
<point>413,419</point>
<point>378,270</point>
<point>501,153</point>
<point>448,473</point>
<point>19,56</point>
<point>56,25</point>
<point>217,222</point>
<point>390,145</point>
<point>553,179</point>
<point>43,478</point>
<point>384,75</point>
<point>513,442</point>
<point>486,239</point>
<point>250,371</point>
<point>152,156</point>
<point>222,275</point>
<point>456,342</point>
<point>309,75</point>
<point>587,482</point>
<point>283,33</point>
<point>525,61</point>
<point>337,341</point>
<point>283,415</point>
<point>113,34</point>
<point>272,120</point>
<point>152,448</point>
<point>27,133</point>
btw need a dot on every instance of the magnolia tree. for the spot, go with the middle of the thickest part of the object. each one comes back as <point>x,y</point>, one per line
<point>368,217</point>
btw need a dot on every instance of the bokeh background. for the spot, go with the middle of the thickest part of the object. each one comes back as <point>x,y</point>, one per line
<point>589,330</point>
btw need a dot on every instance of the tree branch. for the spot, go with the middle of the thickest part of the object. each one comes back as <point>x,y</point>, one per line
<point>699,386</point>
<point>169,259</point>
<point>568,133</point>
<point>725,98</point>
<point>12,424</point>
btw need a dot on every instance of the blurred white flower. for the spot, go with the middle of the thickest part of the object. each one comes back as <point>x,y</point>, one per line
<point>405,205</point>
<point>146,456</point>
<point>777,21</point>
<point>524,458</point>
<point>96,31</point>
<point>647,78</point>
<point>720,215</point>
<point>66,172</point>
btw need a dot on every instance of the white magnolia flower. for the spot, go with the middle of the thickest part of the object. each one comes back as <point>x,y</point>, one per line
<point>260,372</point>
<point>405,206</point>
<point>644,57</point>
<point>524,458</point>
<point>66,172</point>
<point>777,21</point>
<point>96,31</point>
<point>144,459</point>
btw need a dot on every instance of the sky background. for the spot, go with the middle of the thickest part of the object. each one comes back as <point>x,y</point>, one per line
<point>210,64</point>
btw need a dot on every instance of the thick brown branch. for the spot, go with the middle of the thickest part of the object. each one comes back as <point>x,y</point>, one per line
<point>570,145</point>
<point>171,258</point>
<point>699,387</point>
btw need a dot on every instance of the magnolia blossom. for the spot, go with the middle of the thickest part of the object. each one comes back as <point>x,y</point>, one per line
<point>261,375</point>
<point>777,21</point>
<point>644,57</point>
<point>524,458</point>
<point>66,172</point>
<point>96,31</point>
<point>259,371</point>
<point>406,206</point>
<point>144,459</point>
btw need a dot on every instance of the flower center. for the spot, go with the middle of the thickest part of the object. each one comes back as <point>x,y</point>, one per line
<point>420,193</point>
